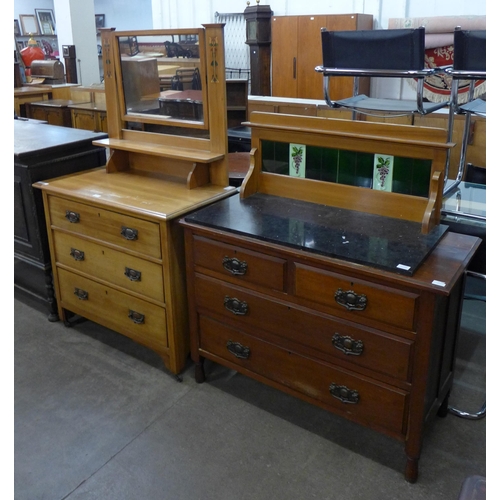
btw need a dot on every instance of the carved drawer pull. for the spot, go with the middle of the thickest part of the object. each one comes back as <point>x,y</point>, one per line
<point>238,307</point>
<point>234,266</point>
<point>238,350</point>
<point>347,344</point>
<point>73,217</point>
<point>136,317</point>
<point>77,254</point>
<point>351,300</point>
<point>81,294</point>
<point>344,394</point>
<point>132,274</point>
<point>129,234</point>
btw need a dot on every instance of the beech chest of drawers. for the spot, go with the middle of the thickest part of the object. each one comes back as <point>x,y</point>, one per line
<point>118,263</point>
<point>116,248</point>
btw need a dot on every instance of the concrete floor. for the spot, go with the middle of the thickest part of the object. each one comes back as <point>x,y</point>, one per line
<point>98,417</point>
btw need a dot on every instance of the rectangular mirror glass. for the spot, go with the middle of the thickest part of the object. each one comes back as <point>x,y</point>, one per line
<point>162,79</point>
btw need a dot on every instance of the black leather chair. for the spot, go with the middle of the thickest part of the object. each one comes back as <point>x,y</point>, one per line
<point>393,53</point>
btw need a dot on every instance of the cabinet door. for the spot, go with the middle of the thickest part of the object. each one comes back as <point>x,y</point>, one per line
<point>58,116</point>
<point>83,119</point>
<point>36,112</point>
<point>296,51</point>
<point>310,55</point>
<point>284,56</point>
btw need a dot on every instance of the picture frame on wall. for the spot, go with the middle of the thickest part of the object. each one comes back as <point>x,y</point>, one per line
<point>17,28</point>
<point>29,24</point>
<point>99,21</point>
<point>46,21</point>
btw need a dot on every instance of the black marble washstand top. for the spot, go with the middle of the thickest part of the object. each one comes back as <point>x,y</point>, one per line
<point>382,242</point>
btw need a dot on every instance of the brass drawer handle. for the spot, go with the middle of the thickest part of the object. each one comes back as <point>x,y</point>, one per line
<point>351,300</point>
<point>129,234</point>
<point>73,217</point>
<point>77,254</point>
<point>234,266</point>
<point>344,394</point>
<point>81,294</point>
<point>132,274</point>
<point>238,307</point>
<point>136,317</point>
<point>347,344</point>
<point>238,350</point>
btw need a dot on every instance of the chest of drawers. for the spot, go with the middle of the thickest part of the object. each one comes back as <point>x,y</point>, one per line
<point>372,346</point>
<point>118,258</point>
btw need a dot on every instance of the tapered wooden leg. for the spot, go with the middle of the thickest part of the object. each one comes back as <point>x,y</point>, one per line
<point>199,371</point>
<point>443,409</point>
<point>411,471</point>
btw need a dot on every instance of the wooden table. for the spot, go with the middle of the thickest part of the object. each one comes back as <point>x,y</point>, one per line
<point>22,95</point>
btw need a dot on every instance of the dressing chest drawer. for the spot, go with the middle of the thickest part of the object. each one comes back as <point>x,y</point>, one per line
<point>115,228</point>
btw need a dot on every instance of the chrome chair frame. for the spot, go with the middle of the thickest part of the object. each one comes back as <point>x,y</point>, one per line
<point>348,53</point>
<point>469,63</point>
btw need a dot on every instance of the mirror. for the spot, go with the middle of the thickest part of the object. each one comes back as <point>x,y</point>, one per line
<point>162,84</point>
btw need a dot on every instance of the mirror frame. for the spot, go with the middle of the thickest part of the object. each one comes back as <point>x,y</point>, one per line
<point>160,119</point>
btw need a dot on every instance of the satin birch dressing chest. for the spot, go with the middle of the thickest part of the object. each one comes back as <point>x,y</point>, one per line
<point>339,289</point>
<point>117,250</point>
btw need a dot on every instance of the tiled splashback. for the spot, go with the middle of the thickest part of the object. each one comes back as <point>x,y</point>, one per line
<point>409,176</point>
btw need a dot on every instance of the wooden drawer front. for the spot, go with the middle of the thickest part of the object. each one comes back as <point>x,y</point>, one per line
<point>138,235</point>
<point>332,338</point>
<point>379,405</point>
<point>124,270</point>
<point>111,308</point>
<point>384,304</point>
<point>248,266</point>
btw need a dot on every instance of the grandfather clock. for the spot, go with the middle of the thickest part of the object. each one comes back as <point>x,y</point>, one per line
<point>258,23</point>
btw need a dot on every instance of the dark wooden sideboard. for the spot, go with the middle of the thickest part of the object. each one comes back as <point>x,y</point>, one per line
<point>43,152</point>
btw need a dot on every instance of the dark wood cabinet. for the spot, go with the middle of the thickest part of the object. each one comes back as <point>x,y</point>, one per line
<point>43,152</point>
<point>53,111</point>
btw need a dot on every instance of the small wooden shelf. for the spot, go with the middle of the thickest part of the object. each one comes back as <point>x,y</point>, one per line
<point>160,150</point>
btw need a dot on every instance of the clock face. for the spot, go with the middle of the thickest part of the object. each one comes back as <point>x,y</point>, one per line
<point>251,31</point>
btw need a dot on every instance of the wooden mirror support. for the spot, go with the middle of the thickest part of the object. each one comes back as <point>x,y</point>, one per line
<point>161,142</point>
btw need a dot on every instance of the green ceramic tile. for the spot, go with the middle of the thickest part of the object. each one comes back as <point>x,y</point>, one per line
<point>270,160</point>
<point>281,151</point>
<point>364,170</point>
<point>421,177</point>
<point>329,166</point>
<point>402,176</point>
<point>314,157</point>
<point>267,150</point>
<point>347,168</point>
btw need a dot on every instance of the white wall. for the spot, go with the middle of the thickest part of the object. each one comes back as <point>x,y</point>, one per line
<point>192,13</point>
<point>145,14</point>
